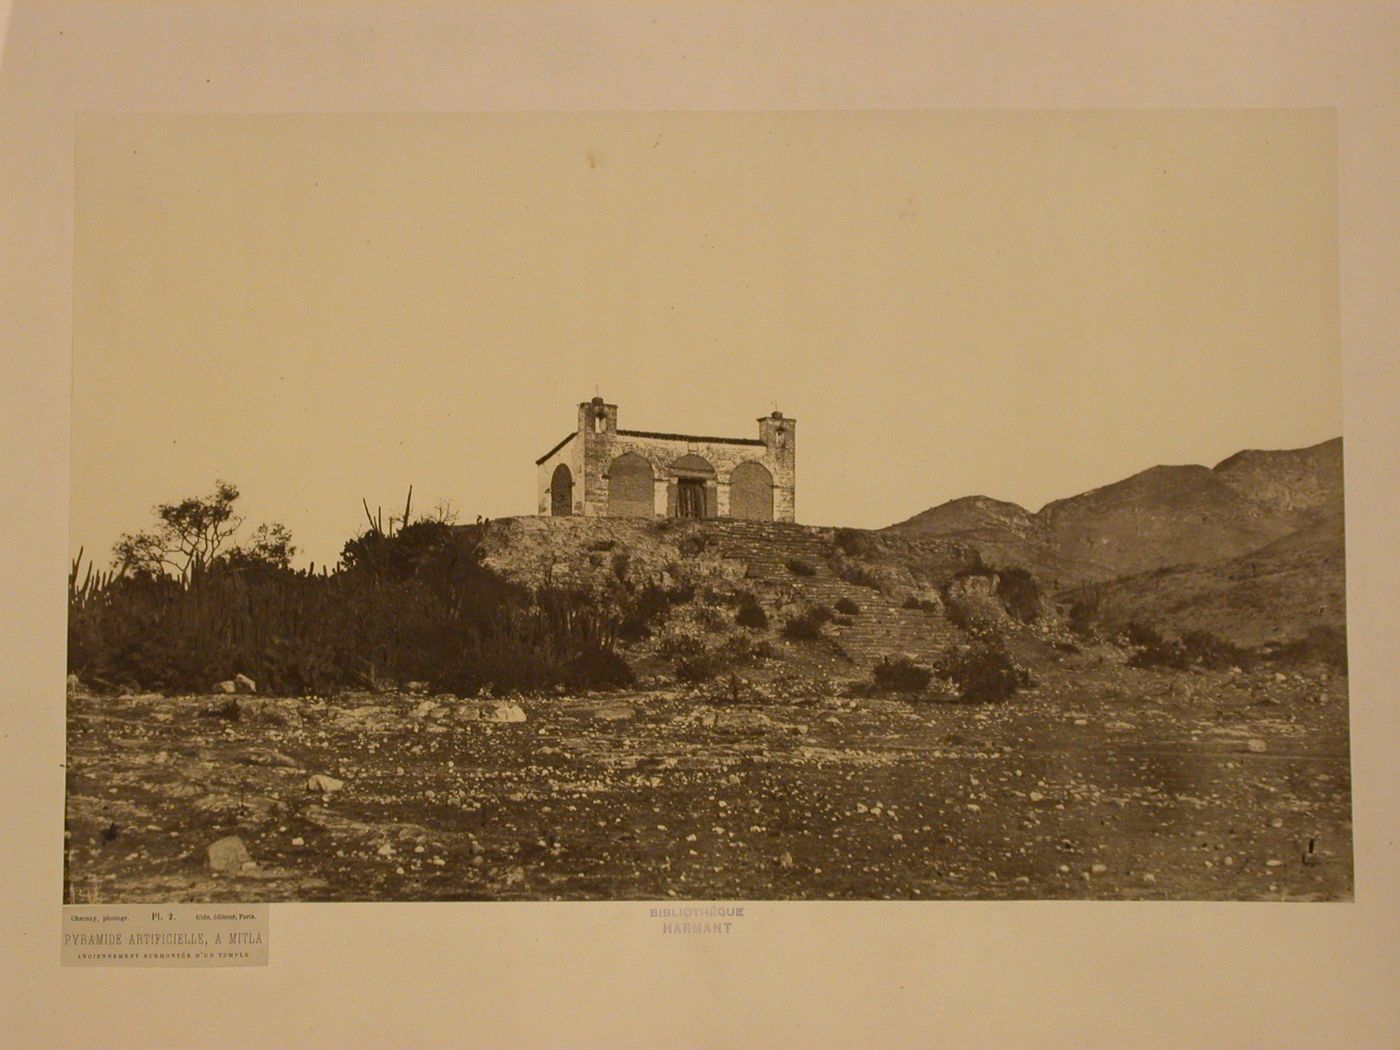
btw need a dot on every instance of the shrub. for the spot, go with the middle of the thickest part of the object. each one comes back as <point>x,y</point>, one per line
<point>599,668</point>
<point>1083,614</point>
<point>646,609</point>
<point>900,674</point>
<point>983,673</point>
<point>1020,593</point>
<point>418,605</point>
<point>1154,650</point>
<point>857,573</point>
<point>801,567</point>
<point>621,562</point>
<point>740,649</point>
<point>1208,650</point>
<point>697,667</point>
<point>695,543</point>
<point>1323,644</point>
<point>1192,649</point>
<point>847,606</point>
<point>680,642</point>
<point>850,541</point>
<point>710,617</point>
<point>806,626</point>
<point>750,613</point>
<point>915,602</point>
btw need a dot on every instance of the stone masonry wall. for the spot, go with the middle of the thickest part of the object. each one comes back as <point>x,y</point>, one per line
<point>598,442</point>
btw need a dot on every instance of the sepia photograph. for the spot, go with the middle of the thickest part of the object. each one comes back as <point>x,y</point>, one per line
<point>912,505</point>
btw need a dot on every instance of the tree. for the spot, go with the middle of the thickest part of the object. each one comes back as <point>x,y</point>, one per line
<point>271,547</point>
<point>191,535</point>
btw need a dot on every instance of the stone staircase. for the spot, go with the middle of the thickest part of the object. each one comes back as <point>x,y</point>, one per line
<point>882,627</point>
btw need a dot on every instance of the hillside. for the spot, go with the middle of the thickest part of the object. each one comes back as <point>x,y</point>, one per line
<point>1290,480</point>
<point>1277,593</point>
<point>786,568</point>
<point>1252,549</point>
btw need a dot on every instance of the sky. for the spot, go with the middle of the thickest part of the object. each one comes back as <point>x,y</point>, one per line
<point>1025,305</point>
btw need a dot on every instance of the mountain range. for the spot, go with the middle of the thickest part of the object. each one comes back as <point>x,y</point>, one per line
<point>1252,548</point>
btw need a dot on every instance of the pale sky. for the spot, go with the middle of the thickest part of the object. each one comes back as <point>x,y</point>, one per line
<point>1023,305</point>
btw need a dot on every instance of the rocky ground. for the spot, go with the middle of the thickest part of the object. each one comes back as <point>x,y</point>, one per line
<point>1101,782</point>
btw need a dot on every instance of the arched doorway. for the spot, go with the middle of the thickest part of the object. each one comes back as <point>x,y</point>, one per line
<point>631,490</point>
<point>691,492</point>
<point>751,492</point>
<point>561,492</point>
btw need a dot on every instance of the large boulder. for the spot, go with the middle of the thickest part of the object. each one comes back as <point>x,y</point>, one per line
<point>227,855</point>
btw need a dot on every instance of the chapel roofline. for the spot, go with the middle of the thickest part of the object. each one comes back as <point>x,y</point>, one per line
<point>571,435</point>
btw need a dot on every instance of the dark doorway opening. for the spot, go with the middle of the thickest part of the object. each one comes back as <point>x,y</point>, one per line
<point>690,498</point>
<point>561,492</point>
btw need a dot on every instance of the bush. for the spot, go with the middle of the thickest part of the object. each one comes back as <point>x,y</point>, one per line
<point>983,673</point>
<point>740,650</point>
<point>801,567</point>
<point>900,674</point>
<point>850,541</point>
<point>621,562</point>
<point>698,667</point>
<point>848,607</point>
<point>915,602</point>
<point>750,613</point>
<point>857,573</point>
<point>1020,593</point>
<point>1084,614</point>
<point>1323,644</point>
<point>709,617</point>
<point>1192,649</point>
<point>598,668</point>
<point>646,609</point>
<point>418,605</point>
<point>806,626</point>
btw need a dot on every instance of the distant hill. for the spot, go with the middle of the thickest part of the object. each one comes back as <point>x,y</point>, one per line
<point>1276,593</point>
<point>1162,516</point>
<point>1252,549</point>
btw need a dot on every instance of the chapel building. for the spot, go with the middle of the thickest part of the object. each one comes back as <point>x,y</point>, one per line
<point>601,471</point>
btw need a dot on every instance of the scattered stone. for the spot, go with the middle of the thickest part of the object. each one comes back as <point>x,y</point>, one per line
<point>262,711</point>
<point>1257,745</point>
<point>1099,869</point>
<point>491,711</point>
<point>784,859</point>
<point>229,686</point>
<point>244,684</point>
<point>1036,796</point>
<point>424,709</point>
<point>227,854</point>
<point>417,687</point>
<point>615,713</point>
<point>259,756</point>
<point>1150,879</point>
<point>324,784</point>
<point>298,841</point>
